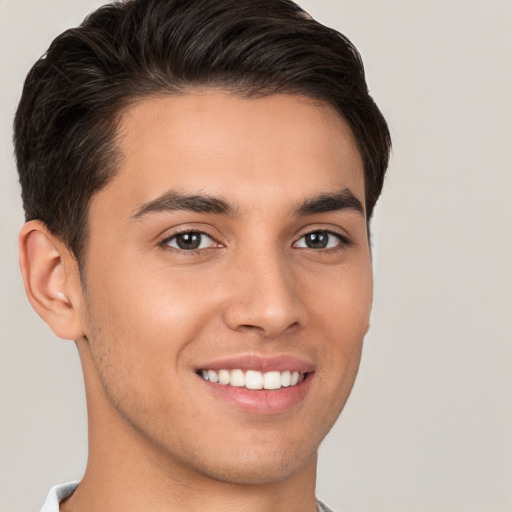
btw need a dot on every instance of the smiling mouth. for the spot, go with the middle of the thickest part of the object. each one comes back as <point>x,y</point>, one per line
<point>253,379</point>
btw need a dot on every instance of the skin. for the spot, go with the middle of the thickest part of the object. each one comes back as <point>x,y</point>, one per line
<point>149,313</point>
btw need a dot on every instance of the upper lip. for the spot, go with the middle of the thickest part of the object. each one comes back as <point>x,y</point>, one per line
<point>260,363</point>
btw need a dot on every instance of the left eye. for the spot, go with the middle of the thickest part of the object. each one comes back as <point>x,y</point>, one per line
<point>190,241</point>
<point>319,240</point>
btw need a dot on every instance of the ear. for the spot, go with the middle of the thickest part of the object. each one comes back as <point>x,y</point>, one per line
<point>52,280</point>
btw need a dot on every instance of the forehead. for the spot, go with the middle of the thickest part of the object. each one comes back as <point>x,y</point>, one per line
<point>226,145</point>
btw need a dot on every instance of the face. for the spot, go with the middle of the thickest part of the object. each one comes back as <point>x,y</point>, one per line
<point>228,281</point>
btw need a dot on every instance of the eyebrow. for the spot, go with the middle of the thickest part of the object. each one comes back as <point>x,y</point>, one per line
<point>201,203</point>
<point>331,202</point>
<point>174,201</point>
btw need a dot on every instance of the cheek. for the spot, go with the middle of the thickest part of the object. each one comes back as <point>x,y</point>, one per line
<point>343,315</point>
<point>152,303</point>
<point>139,323</point>
<point>344,306</point>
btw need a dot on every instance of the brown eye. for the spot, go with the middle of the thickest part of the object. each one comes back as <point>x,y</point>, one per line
<point>319,240</point>
<point>190,241</point>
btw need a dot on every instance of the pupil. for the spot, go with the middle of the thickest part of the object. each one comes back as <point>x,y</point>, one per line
<point>189,240</point>
<point>317,240</point>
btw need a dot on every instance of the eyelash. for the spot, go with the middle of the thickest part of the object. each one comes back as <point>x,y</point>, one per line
<point>166,241</point>
<point>343,241</point>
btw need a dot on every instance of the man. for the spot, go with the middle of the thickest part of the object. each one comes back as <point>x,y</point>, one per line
<point>198,177</point>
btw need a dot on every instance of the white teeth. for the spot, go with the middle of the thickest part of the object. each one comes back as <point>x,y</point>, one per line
<point>224,377</point>
<point>212,375</point>
<point>253,379</point>
<point>237,378</point>
<point>272,380</point>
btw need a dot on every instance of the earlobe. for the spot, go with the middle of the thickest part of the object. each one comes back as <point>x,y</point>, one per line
<point>51,278</point>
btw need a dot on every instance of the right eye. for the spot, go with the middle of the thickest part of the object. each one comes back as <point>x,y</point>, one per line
<point>190,241</point>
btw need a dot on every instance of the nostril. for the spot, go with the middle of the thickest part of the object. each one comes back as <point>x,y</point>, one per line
<point>267,309</point>
<point>268,330</point>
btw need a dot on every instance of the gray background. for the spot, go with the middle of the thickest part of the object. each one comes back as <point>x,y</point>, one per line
<point>429,424</point>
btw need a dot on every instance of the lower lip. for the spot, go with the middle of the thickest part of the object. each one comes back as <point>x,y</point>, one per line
<point>262,401</point>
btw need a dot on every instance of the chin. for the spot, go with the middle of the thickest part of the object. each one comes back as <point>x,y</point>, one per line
<point>250,470</point>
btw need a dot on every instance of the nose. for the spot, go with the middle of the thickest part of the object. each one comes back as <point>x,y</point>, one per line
<point>264,296</point>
